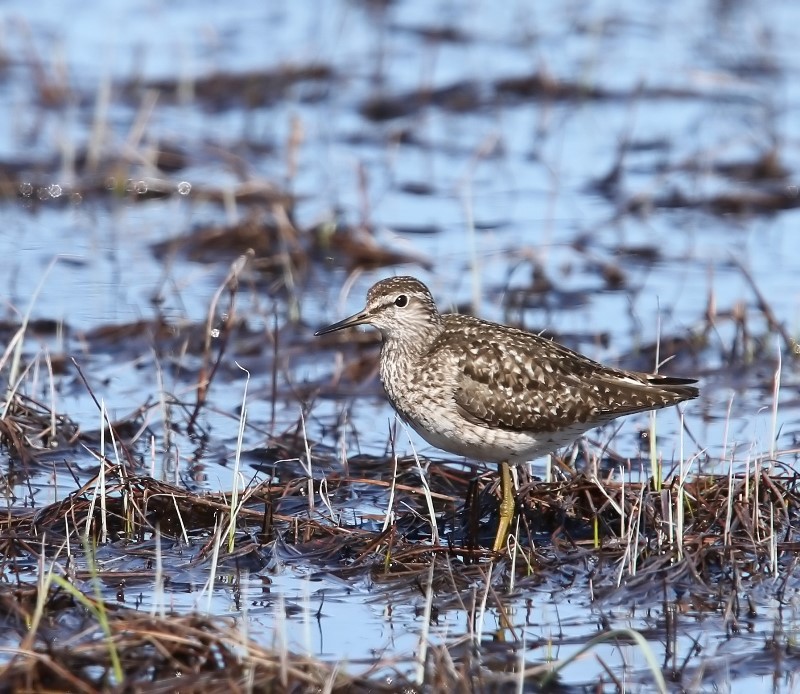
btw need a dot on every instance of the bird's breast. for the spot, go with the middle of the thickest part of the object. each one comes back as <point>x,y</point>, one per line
<point>408,383</point>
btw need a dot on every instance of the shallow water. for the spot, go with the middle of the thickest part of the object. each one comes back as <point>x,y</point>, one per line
<point>480,190</point>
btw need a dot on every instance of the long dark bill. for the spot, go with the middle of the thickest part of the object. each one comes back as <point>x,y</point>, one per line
<point>357,319</point>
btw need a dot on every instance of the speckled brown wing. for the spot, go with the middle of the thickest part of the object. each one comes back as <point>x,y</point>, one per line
<point>523,382</point>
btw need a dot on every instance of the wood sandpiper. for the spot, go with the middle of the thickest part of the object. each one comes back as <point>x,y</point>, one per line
<point>491,392</point>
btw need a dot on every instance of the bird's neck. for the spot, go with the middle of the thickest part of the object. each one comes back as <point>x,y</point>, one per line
<point>399,354</point>
<point>402,360</point>
<point>412,341</point>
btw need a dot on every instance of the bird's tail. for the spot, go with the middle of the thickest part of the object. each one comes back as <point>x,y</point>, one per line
<point>681,388</point>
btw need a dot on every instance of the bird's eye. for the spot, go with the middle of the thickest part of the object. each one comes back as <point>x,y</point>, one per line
<point>401,301</point>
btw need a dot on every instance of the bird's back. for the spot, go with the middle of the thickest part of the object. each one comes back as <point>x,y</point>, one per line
<point>507,378</point>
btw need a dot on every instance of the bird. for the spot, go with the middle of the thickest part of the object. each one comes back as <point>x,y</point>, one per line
<point>491,392</point>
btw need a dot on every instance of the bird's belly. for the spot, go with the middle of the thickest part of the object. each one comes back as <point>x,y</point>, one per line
<point>489,444</point>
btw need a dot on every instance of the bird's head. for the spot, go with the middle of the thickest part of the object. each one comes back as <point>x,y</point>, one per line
<point>402,308</point>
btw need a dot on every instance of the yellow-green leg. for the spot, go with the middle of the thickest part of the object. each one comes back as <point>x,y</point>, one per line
<point>506,507</point>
